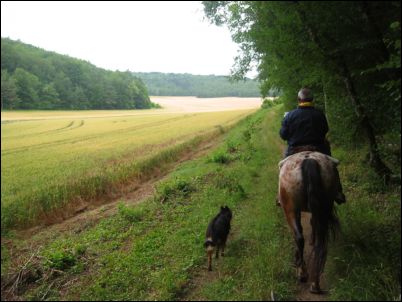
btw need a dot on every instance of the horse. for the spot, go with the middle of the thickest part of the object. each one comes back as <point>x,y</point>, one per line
<point>308,182</point>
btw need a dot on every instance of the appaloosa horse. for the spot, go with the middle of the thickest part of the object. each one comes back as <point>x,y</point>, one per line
<point>308,183</point>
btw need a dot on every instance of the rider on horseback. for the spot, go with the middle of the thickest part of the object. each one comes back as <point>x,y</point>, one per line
<point>305,129</point>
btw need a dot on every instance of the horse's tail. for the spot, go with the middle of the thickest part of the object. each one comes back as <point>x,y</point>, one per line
<point>323,217</point>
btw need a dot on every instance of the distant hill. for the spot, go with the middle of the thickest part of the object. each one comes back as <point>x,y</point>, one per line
<point>32,78</point>
<point>176,84</point>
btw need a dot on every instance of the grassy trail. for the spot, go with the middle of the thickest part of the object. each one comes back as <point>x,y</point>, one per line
<point>154,250</point>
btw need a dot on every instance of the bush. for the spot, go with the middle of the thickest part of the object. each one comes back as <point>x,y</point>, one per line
<point>220,157</point>
<point>177,187</point>
<point>60,259</point>
<point>131,214</point>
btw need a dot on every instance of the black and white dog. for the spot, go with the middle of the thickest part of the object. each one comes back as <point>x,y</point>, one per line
<point>217,234</point>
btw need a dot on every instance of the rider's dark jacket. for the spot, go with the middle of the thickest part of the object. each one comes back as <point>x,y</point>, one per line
<point>305,125</point>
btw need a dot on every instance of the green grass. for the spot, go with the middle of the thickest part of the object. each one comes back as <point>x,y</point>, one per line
<point>154,250</point>
<point>51,162</point>
<point>365,262</point>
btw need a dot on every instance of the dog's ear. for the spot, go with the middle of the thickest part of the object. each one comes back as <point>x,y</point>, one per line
<point>222,208</point>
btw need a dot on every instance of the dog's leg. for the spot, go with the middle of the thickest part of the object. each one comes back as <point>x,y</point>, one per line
<point>210,251</point>
<point>223,250</point>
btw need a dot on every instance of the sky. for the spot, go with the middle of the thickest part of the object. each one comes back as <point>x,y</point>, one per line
<point>140,36</point>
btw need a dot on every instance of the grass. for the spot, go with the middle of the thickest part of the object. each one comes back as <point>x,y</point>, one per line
<point>48,163</point>
<point>365,262</point>
<point>154,250</point>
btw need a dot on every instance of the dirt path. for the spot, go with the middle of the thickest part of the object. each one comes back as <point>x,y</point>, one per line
<point>201,276</point>
<point>303,292</point>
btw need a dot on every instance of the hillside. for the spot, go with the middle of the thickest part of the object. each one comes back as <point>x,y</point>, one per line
<point>32,78</point>
<point>177,84</point>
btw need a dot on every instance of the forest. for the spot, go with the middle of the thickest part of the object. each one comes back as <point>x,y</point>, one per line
<point>32,78</point>
<point>175,84</point>
<point>348,53</point>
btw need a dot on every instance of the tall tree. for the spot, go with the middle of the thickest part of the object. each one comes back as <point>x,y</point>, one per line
<point>343,50</point>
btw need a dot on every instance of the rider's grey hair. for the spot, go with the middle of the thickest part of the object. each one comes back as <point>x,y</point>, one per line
<point>305,94</point>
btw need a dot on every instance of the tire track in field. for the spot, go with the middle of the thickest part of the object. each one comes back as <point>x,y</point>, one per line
<point>44,132</point>
<point>89,137</point>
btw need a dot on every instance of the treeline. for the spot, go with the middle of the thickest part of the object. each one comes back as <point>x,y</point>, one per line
<point>32,78</point>
<point>173,84</point>
<point>347,52</point>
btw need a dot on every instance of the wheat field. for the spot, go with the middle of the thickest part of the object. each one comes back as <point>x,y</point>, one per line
<point>49,158</point>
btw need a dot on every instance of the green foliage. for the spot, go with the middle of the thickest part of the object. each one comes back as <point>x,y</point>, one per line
<point>364,263</point>
<point>9,98</point>
<point>269,103</point>
<point>33,78</point>
<point>60,259</point>
<point>230,182</point>
<point>131,214</point>
<point>297,44</point>
<point>203,86</point>
<point>174,188</point>
<point>220,157</point>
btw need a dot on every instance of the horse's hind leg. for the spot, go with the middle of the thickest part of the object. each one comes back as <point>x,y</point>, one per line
<point>302,270</point>
<point>294,220</point>
<point>320,255</point>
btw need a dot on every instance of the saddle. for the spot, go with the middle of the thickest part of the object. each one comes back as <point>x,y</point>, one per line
<point>304,148</point>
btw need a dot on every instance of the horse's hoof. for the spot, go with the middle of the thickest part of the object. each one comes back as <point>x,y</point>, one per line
<point>303,279</point>
<point>210,269</point>
<point>315,290</point>
<point>340,198</point>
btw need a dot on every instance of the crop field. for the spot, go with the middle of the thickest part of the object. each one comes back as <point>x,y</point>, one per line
<point>48,159</point>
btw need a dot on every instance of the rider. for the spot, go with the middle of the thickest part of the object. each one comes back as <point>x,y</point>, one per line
<point>305,129</point>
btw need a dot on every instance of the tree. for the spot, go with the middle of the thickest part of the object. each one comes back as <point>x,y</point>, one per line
<point>296,44</point>
<point>49,97</point>
<point>28,86</point>
<point>9,98</point>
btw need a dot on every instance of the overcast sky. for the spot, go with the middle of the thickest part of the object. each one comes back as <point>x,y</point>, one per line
<point>168,36</point>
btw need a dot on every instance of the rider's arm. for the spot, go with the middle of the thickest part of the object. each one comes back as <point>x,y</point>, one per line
<point>284,132</point>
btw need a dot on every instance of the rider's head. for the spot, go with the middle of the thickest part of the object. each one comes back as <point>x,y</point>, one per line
<point>305,95</point>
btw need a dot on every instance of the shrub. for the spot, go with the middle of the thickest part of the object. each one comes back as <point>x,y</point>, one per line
<point>131,214</point>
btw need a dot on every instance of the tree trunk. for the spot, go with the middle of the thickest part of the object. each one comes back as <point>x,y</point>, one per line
<point>375,159</point>
<point>367,13</point>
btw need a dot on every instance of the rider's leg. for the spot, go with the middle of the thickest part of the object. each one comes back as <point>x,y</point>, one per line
<point>340,197</point>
